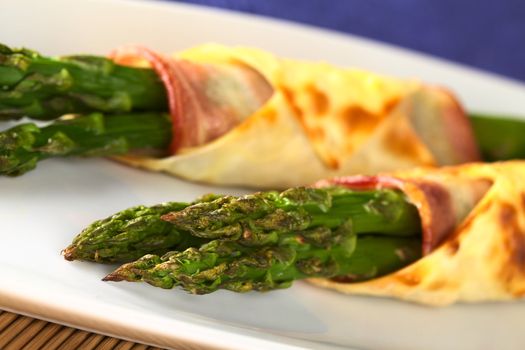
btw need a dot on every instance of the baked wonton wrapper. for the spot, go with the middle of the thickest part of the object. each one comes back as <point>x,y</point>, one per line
<point>473,219</point>
<point>323,121</point>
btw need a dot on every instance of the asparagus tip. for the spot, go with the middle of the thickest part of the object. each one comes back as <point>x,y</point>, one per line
<point>113,277</point>
<point>123,273</point>
<point>69,253</point>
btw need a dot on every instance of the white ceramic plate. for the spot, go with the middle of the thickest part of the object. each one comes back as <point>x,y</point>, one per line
<point>42,211</point>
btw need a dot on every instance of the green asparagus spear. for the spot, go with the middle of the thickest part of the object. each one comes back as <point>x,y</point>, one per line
<point>47,88</point>
<point>127,235</point>
<point>261,216</point>
<point>95,135</point>
<point>24,145</point>
<point>223,264</point>
<point>266,240</point>
<point>120,238</point>
<point>499,138</point>
<point>132,233</point>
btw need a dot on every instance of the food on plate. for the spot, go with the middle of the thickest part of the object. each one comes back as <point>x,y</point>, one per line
<point>91,135</point>
<point>211,110</point>
<point>132,233</point>
<point>215,217</point>
<point>268,239</point>
<point>429,235</point>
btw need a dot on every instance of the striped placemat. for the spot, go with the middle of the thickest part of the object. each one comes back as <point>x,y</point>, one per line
<point>19,332</point>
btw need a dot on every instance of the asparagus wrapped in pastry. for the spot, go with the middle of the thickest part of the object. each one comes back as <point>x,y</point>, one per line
<point>429,235</point>
<point>227,115</point>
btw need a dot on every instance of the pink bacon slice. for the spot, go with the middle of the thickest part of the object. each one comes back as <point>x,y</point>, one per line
<point>200,112</point>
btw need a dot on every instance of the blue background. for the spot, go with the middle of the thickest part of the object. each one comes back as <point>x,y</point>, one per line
<point>487,34</point>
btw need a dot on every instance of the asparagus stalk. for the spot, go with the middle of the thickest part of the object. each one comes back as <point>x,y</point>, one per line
<point>132,233</point>
<point>128,235</point>
<point>499,138</point>
<point>47,88</point>
<point>94,135</point>
<point>232,266</point>
<point>267,240</point>
<point>259,218</point>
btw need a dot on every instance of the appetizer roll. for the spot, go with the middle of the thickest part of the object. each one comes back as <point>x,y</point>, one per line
<point>242,116</point>
<point>426,235</point>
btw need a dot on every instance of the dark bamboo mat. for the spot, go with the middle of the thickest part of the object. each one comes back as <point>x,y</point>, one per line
<point>19,332</point>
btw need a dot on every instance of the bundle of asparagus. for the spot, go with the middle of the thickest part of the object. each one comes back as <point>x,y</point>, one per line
<point>257,242</point>
<point>434,236</point>
<point>112,109</point>
<point>100,108</point>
